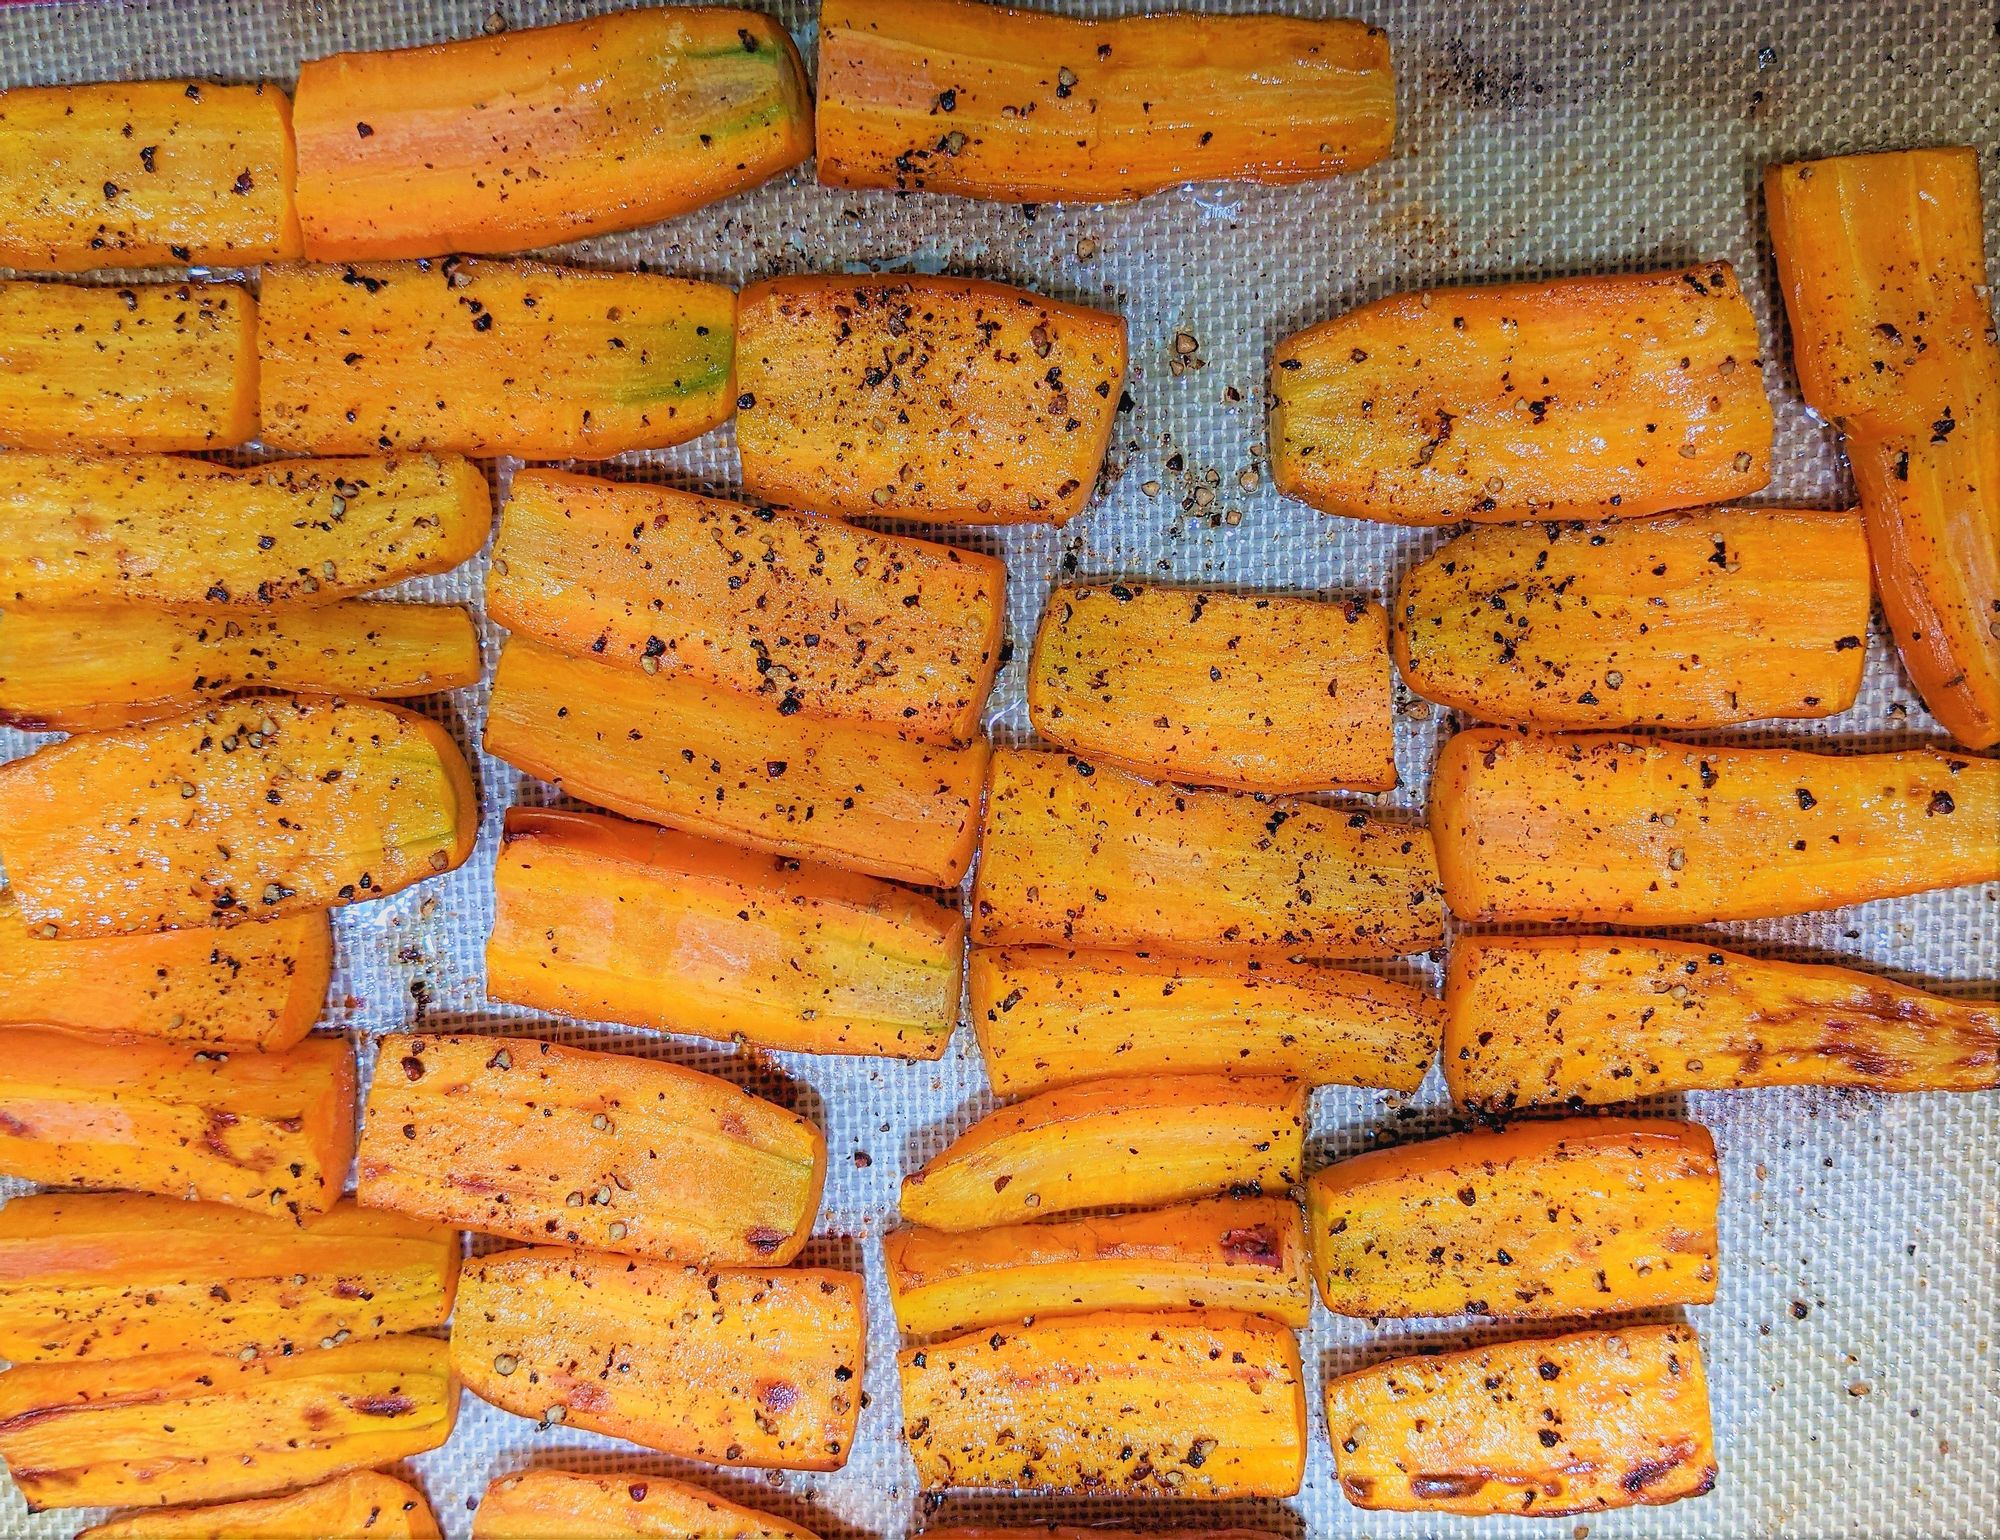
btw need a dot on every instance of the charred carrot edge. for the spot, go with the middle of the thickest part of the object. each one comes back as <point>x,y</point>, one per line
<point>273,1132</point>
<point>1076,854</point>
<point>206,1427</point>
<point>162,529</point>
<point>1019,106</point>
<point>1643,393</point>
<point>534,1141</point>
<point>544,135</point>
<point>360,1503</point>
<point>1121,1143</point>
<point>1171,1403</point>
<point>489,358</point>
<point>1002,401</point>
<point>1259,692</point>
<point>116,1275</point>
<point>250,810</point>
<point>1602,829</point>
<point>261,986</point>
<point>138,367</point>
<point>560,1505</point>
<point>88,667</point>
<point>1244,1254</point>
<point>1695,620</point>
<point>733,768</point>
<point>1583,1020</point>
<point>1459,1225</point>
<point>731,1366</point>
<point>1539,1428</point>
<point>611,921</point>
<point>1047,1017</point>
<point>811,614</point>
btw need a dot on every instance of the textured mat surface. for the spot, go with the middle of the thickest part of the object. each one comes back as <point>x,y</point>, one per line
<point>1852,1350</point>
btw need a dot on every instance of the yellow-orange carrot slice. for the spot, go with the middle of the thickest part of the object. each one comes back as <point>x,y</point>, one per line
<point>365,1503</point>
<point>562,1505</point>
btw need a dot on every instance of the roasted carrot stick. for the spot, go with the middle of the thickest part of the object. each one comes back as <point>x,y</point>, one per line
<point>361,1503</point>
<point>562,1505</point>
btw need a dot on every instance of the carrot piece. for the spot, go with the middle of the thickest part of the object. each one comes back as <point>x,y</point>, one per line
<point>267,1131</point>
<point>117,1275</point>
<point>1600,829</point>
<point>1169,1403</point>
<point>609,921</point>
<point>560,1505</point>
<point>141,173</point>
<point>1541,1427</point>
<point>1077,855</point>
<point>85,667</point>
<point>359,1503</point>
<point>207,1427</point>
<point>140,366</point>
<point>811,614</point>
<point>1044,109</point>
<point>1586,1020</point>
<point>710,762</point>
<point>1047,1018</point>
<point>535,137</point>
<point>490,358</point>
<point>528,1139</point>
<point>1696,620</point>
<point>1231,1253</point>
<point>730,1366</point>
<point>159,529</point>
<point>1460,1225</point>
<point>260,986</point>
<point>1253,691</point>
<point>1090,1532</point>
<point>949,399</point>
<point>1121,1143</point>
<point>1622,394</point>
<point>246,811</point>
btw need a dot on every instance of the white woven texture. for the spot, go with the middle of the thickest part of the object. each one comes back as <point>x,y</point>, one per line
<point>1533,139</point>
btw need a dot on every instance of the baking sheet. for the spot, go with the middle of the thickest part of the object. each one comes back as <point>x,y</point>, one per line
<point>1534,139</point>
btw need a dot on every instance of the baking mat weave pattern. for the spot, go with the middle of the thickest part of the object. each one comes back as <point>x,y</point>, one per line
<point>1852,1349</point>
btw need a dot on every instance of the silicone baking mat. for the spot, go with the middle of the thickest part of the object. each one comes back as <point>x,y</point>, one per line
<point>1852,1348</point>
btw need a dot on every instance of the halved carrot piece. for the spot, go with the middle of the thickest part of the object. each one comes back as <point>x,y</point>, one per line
<point>1019,106</point>
<point>1120,1143</point>
<point>141,173</point>
<point>711,762</point>
<point>1047,1017</point>
<point>272,1132</point>
<point>260,986</point>
<point>1575,1217</point>
<point>250,810</point>
<point>1167,1403</point>
<point>1601,829</point>
<point>811,614</point>
<point>1620,395</point>
<point>84,667</point>
<point>1696,620</point>
<point>1259,692</point>
<point>1229,1253</point>
<point>1541,1427</point>
<point>161,529</point>
<point>1080,855</point>
<point>361,1503</point>
<point>611,921</point>
<point>137,367</point>
<point>490,358</point>
<point>941,398</point>
<point>116,1275</point>
<point>1584,1020</point>
<point>534,1141</point>
<point>561,1505</point>
<point>720,1364</point>
<point>207,1427</point>
<point>535,137</point>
